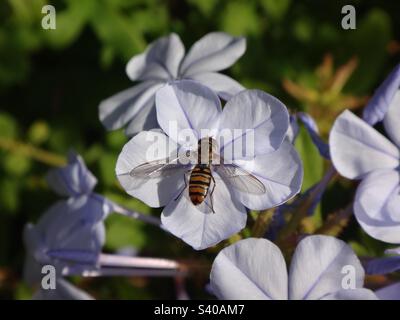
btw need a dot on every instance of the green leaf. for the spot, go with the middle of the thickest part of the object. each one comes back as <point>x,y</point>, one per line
<point>368,42</point>
<point>359,249</point>
<point>276,9</point>
<point>312,160</point>
<point>205,6</point>
<point>22,291</point>
<point>303,30</point>
<point>9,190</point>
<point>69,23</point>
<point>118,32</point>
<point>373,246</point>
<point>38,132</point>
<point>26,12</point>
<point>123,231</point>
<point>144,19</point>
<point>8,126</point>
<point>16,164</point>
<point>116,139</point>
<point>240,18</point>
<point>107,164</point>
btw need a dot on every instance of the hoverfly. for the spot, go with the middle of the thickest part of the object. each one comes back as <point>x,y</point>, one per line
<point>201,180</point>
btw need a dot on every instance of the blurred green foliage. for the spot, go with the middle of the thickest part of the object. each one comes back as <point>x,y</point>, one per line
<point>51,82</point>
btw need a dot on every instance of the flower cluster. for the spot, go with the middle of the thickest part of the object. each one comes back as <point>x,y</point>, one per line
<point>208,151</point>
<point>361,152</point>
<point>193,107</point>
<point>164,61</point>
<point>71,233</point>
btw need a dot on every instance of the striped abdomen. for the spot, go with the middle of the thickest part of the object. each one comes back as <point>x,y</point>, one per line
<point>199,183</point>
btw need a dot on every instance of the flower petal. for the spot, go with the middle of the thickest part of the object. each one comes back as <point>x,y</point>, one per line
<point>377,107</point>
<point>313,131</point>
<point>72,180</point>
<point>391,292</point>
<point>215,51</point>
<point>281,172</point>
<point>121,108</point>
<point>351,294</point>
<point>316,268</point>
<point>357,149</point>
<point>160,61</point>
<point>76,224</point>
<point>256,117</point>
<point>392,118</point>
<point>184,105</point>
<point>383,265</point>
<point>250,269</point>
<point>395,251</point>
<point>293,130</point>
<point>144,147</point>
<point>144,120</point>
<point>223,85</point>
<point>202,230</point>
<point>377,203</point>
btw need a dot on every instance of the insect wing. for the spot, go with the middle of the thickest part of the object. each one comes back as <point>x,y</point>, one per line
<point>153,169</point>
<point>240,179</point>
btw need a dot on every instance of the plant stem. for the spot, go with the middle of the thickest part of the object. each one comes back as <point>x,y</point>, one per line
<point>336,222</point>
<point>30,151</point>
<point>308,201</point>
<point>262,223</point>
<point>136,215</point>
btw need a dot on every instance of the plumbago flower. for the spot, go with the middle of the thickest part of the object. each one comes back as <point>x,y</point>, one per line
<point>189,109</point>
<point>71,227</point>
<point>70,236</point>
<point>386,264</point>
<point>255,269</point>
<point>390,292</point>
<point>383,98</point>
<point>360,152</point>
<point>164,61</point>
<point>312,129</point>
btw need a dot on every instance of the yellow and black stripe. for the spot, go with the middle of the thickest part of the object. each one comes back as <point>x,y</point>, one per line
<point>199,183</point>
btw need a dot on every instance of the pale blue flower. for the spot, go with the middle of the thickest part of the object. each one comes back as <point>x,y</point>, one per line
<point>293,129</point>
<point>390,292</point>
<point>255,269</point>
<point>66,233</point>
<point>72,227</point>
<point>164,61</point>
<point>386,264</point>
<point>194,107</point>
<point>312,129</point>
<point>70,236</point>
<point>358,151</point>
<point>384,96</point>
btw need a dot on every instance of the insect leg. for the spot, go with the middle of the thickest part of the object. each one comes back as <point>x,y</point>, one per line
<point>184,180</point>
<point>211,194</point>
